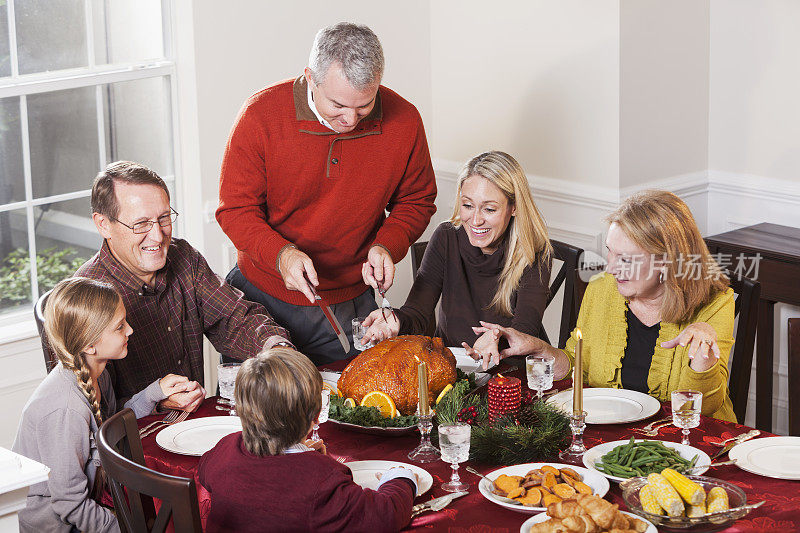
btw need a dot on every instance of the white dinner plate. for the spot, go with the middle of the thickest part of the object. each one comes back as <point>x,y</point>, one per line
<point>197,436</point>
<point>593,455</point>
<point>609,406</point>
<point>597,482</point>
<point>364,473</point>
<point>777,457</point>
<point>542,517</point>
<point>465,363</point>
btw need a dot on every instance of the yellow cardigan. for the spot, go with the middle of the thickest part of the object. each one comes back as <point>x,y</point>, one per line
<point>603,323</point>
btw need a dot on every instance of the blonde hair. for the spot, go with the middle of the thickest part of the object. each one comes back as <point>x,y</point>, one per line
<point>662,225</point>
<point>76,314</point>
<point>527,242</point>
<point>278,396</point>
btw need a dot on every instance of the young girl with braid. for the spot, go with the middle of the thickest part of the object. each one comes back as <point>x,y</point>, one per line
<point>86,327</point>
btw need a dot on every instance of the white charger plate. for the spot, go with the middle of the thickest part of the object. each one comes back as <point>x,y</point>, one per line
<point>464,362</point>
<point>593,478</point>
<point>609,406</point>
<point>542,517</point>
<point>364,474</point>
<point>197,436</point>
<point>594,454</point>
<point>776,457</point>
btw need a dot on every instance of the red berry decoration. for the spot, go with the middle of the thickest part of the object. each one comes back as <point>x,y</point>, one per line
<point>468,415</point>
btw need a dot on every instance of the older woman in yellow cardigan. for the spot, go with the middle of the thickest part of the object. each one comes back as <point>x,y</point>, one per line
<point>659,319</point>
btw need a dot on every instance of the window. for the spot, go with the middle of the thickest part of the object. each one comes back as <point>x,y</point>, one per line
<point>82,83</point>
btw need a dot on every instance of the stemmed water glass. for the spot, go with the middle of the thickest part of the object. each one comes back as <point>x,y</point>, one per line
<point>323,413</point>
<point>540,373</point>
<point>686,407</point>
<point>359,330</point>
<point>454,445</point>
<point>226,377</point>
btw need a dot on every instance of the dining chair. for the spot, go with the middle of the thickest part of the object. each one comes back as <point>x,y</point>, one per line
<point>567,276</point>
<point>50,358</point>
<point>134,486</point>
<point>747,292</point>
<point>794,376</point>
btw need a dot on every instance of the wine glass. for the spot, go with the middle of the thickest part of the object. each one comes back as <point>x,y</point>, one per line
<point>454,445</point>
<point>323,413</point>
<point>540,373</point>
<point>686,406</point>
<point>226,378</point>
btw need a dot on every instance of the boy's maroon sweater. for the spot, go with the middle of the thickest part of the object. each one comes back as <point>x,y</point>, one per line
<point>305,491</point>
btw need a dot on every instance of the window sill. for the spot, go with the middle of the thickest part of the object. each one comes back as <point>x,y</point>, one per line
<point>18,329</point>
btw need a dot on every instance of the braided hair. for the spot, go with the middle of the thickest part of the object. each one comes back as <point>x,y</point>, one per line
<point>76,314</point>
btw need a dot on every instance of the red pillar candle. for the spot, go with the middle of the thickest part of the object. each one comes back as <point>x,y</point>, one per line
<point>505,396</point>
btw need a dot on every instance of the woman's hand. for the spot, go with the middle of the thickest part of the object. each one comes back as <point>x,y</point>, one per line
<point>485,348</point>
<point>518,343</point>
<point>380,328</point>
<point>702,340</point>
<point>181,394</point>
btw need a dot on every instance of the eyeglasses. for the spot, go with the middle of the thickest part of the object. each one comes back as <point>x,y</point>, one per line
<point>144,226</point>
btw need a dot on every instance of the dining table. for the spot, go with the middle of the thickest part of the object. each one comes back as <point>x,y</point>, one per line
<point>473,513</point>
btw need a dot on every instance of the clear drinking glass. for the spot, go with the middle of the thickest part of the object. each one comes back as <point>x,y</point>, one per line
<point>226,377</point>
<point>358,333</point>
<point>540,373</point>
<point>454,445</point>
<point>686,407</point>
<point>323,413</point>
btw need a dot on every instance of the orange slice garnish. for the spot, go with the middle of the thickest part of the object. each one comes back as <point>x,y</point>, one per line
<point>382,401</point>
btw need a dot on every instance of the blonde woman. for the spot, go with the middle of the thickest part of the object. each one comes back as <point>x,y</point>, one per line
<point>86,327</point>
<point>491,261</point>
<point>660,318</point>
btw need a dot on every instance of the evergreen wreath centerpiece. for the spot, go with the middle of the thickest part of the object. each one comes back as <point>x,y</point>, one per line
<point>535,432</point>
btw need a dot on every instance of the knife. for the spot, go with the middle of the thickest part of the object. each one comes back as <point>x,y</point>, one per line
<point>436,504</point>
<point>326,310</point>
<point>738,440</point>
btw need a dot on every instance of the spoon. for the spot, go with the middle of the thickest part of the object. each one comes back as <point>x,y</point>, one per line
<point>491,484</point>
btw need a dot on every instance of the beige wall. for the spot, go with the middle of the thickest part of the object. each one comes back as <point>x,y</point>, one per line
<point>538,79</point>
<point>755,88</point>
<point>243,46</point>
<point>663,89</point>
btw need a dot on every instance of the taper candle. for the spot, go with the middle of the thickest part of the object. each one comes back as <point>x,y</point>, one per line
<point>577,376</point>
<point>424,402</point>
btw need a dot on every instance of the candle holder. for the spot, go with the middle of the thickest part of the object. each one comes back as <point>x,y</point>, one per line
<point>425,452</point>
<point>574,454</point>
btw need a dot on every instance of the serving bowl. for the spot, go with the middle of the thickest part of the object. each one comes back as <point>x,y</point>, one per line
<point>709,522</point>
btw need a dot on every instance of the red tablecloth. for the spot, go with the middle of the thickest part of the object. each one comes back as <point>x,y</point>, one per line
<point>474,514</point>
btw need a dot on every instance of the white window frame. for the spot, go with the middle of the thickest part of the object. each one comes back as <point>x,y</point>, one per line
<point>92,75</point>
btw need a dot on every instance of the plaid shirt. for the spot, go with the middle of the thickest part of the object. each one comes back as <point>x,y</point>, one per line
<point>186,301</point>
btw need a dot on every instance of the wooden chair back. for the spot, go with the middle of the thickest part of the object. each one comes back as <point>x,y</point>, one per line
<point>748,292</point>
<point>50,358</point>
<point>133,486</point>
<point>794,376</point>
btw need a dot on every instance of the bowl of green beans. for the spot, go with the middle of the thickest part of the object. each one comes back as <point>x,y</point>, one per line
<point>624,459</point>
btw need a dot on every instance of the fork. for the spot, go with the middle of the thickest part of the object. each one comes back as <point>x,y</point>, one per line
<point>169,418</point>
<point>386,305</point>
<point>649,427</point>
<point>181,417</point>
<point>652,432</point>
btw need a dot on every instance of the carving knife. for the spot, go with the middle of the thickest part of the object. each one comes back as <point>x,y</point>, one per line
<point>326,310</point>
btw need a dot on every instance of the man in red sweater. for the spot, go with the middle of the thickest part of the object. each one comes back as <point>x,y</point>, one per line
<point>310,169</point>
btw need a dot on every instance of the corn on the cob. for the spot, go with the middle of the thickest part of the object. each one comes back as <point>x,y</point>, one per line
<point>665,494</point>
<point>691,492</point>
<point>717,500</point>
<point>696,510</point>
<point>649,502</point>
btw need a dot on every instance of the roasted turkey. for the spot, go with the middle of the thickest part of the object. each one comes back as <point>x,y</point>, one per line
<point>390,367</point>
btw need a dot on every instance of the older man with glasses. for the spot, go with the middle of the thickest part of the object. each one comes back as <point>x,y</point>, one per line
<point>172,296</point>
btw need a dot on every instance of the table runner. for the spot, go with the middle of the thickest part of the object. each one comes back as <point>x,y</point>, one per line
<point>475,514</point>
